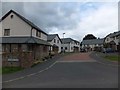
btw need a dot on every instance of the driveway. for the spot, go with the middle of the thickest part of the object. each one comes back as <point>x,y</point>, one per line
<point>77,70</point>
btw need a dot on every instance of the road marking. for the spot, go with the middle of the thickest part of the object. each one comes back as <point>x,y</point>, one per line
<point>30,74</point>
<point>71,61</point>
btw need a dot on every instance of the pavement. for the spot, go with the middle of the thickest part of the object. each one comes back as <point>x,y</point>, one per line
<point>79,70</point>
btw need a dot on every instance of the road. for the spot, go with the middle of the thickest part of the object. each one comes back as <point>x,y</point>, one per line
<point>72,71</point>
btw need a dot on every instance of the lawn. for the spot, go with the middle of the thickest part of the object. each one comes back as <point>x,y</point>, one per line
<point>113,57</point>
<point>7,70</point>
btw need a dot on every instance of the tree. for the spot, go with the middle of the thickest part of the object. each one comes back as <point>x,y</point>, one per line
<point>89,36</point>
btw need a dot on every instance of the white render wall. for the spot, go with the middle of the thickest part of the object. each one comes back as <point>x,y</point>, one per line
<point>70,46</point>
<point>92,46</point>
<point>58,44</point>
<point>18,27</point>
<point>116,40</point>
<point>108,39</point>
<point>0,29</point>
<point>43,36</point>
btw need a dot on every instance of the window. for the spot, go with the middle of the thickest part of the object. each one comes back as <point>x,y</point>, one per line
<point>38,34</point>
<point>107,39</point>
<point>65,48</point>
<point>14,47</point>
<point>54,40</point>
<point>44,48</point>
<point>30,47</point>
<point>71,48</point>
<point>61,47</point>
<point>57,41</point>
<point>24,47</point>
<point>6,48</point>
<point>11,16</point>
<point>6,32</point>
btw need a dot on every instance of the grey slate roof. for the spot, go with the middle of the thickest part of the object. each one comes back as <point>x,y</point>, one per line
<point>24,19</point>
<point>68,40</point>
<point>50,37</point>
<point>114,34</point>
<point>92,41</point>
<point>22,40</point>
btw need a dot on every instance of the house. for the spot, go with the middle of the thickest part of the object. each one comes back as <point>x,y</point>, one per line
<point>112,41</point>
<point>22,41</point>
<point>92,44</point>
<point>55,41</point>
<point>70,45</point>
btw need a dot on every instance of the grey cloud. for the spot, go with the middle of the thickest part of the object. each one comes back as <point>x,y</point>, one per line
<point>48,15</point>
<point>17,6</point>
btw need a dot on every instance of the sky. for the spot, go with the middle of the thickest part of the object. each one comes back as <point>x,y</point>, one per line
<point>75,19</point>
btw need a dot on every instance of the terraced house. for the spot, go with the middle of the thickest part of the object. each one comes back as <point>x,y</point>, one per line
<point>70,45</point>
<point>22,41</point>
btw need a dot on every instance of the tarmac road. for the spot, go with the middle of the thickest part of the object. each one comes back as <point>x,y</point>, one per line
<point>73,71</point>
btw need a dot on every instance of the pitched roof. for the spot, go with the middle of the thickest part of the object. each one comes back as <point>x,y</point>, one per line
<point>24,19</point>
<point>68,40</point>
<point>22,40</point>
<point>92,41</point>
<point>115,34</point>
<point>50,37</point>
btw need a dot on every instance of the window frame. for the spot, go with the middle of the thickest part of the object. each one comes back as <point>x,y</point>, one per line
<point>6,33</point>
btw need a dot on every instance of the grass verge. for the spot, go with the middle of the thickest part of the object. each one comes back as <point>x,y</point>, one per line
<point>7,70</point>
<point>113,57</point>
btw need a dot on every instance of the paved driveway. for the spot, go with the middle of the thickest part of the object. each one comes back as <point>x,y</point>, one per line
<point>73,71</point>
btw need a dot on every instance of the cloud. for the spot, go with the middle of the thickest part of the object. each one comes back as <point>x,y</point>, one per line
<point>99,21</point>
<point>49,15</point>
<point>75,19</point>
<point>17,6</point>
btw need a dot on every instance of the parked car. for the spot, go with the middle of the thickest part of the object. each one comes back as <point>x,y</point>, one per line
<point>108,50</point>
<point>82,50</point>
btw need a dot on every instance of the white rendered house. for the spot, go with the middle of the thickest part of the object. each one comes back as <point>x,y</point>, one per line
<point>70,45</point>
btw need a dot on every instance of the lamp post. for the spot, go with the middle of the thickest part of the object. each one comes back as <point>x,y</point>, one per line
<point>63,44</point>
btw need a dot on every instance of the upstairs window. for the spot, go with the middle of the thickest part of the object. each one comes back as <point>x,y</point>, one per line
<point>54,40</point>
<point>38,34</point>
<point>57,41</point>
<point>6,32</point>
<point>107,39</point>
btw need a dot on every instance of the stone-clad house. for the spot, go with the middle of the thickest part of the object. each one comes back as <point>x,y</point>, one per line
<point>22,41</point>
<point>70,45</point>
<point>112,41</point>
<point>55,42</point>
<point>92,44</point>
